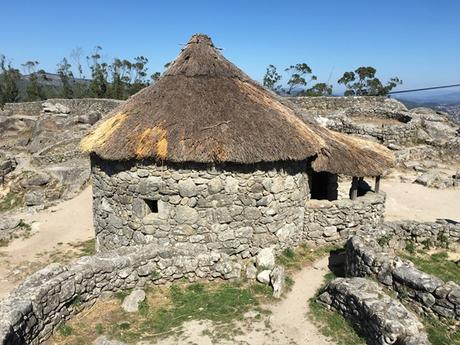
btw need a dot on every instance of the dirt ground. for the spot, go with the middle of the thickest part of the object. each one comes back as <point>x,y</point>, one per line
<point>55,235</point>
<point>56,231</point>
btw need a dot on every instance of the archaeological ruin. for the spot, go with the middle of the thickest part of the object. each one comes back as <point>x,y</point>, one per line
<point>208,159</point>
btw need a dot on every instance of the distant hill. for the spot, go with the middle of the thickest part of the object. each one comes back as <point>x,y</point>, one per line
<point>50,82</point>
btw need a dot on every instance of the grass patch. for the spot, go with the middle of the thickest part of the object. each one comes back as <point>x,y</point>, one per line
<point>10,201</point>
<point>437,264</point>
<point>166,309</point>
<point>441,333</point>
<point>65,330</point>
<point>295,259</point>
<point>87,248</point>
<point>331,323</point>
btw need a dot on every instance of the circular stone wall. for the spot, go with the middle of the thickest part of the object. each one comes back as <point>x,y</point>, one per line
<point>234,209</point>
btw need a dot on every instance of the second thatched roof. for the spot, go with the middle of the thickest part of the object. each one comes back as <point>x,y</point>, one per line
<point>204,109</point>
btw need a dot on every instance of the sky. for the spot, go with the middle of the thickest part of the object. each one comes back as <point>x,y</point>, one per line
<point>416,40</point>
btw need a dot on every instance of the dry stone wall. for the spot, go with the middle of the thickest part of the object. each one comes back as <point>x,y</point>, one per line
<point>334,221</point>
<point>380,318</point>
<point>74,106</point>
<point>233,209</point>
<point>51,296</point>
<point>365,257</point>
<point>325,104</point>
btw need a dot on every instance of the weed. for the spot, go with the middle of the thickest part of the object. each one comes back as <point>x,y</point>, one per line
<point>441,333</point>
<point>11,201</point>
<point>410,246</point>
<point>384,240</point>
<point>65,330</point>
<point>437,264</point>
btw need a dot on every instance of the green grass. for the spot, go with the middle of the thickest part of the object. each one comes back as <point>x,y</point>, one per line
<point>436,264</point>
<point>65,330</point>
<point>440,333</point>
<point>88,247</point>
<point>331,323</point>
<point>10,201</point>
<point>222,304</point>
<point>295,259</point>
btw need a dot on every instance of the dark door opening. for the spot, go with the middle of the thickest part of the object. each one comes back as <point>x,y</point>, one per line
<point>323,186</point>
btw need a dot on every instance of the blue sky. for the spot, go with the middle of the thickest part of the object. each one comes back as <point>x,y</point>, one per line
<point>419,41</point>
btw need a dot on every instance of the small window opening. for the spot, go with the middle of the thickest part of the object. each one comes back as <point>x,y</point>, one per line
<point>152,206</point>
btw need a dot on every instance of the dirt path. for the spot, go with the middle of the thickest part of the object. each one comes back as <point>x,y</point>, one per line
<point>287,323</point>
<point>413,201</point>
<point>52,231</point>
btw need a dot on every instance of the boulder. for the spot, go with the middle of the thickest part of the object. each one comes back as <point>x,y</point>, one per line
<point>251,271</point>
<point>266,258</point>
<point>277,277</point>
<point>264,277</point>
<point>55,108</point>
<point>34,198</point>
<point>435,179</point>
<point>131,302</point>
<point>89,118</point>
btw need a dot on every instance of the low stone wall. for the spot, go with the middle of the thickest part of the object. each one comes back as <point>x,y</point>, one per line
<point>49,297</point>
<point>334,221</point>
<point>324,104</point>
<point>386,134</point>
<point>441,233</point>
<point>365,257</point>
<point>380,318</point>
<point>76,106</point>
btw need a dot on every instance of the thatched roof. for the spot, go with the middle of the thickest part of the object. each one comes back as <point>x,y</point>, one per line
<point>204,109</point>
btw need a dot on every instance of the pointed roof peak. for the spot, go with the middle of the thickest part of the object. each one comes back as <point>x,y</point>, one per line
<point>201,39</point>
<point>200,58</point>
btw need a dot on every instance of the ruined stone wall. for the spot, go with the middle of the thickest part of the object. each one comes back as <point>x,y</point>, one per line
<point>76,106</point>
<point>395,234</point>
<point>429,294</point>
<point>334,221</point>
<point>53,295</point>
<point>385,134</point>
<point>380,318</point>
<point>234,209</point>
<point>328,104</point>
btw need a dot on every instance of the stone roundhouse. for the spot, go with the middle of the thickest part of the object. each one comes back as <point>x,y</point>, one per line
<point>208,159</point>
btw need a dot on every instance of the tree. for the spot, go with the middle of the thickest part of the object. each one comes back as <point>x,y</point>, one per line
<point>99,85</point>
<point>65,74</point>
<point>155,76</point>
<point>299,72</point>
<point>9,78</point>
<point>140,72</point>
<point>80,89</point>
<point>319,89</point>
<point>271,78</point>
<point>363,82</point>
<point>117,70</point>
<point>34,91</point>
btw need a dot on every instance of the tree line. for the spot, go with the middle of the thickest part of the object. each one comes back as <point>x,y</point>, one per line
<point>360,82</point>
<point>118,79</point>
<point>122,78</point>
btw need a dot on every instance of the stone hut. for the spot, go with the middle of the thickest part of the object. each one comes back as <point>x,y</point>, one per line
<point>208,159</point>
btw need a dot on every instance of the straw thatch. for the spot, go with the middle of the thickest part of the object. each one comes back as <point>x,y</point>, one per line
<point>204,109</point>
